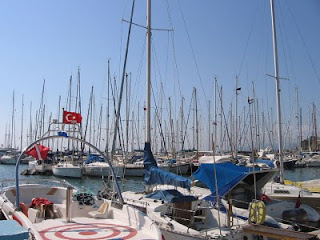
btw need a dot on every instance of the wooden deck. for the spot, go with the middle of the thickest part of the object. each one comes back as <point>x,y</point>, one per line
<point>277,233</point>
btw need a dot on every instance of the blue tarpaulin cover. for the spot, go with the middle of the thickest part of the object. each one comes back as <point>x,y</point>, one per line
<point>94,158</point>
<point>11,230</point>
<point>228,175</point>
<point>170,196</point>
<point>154,175</point>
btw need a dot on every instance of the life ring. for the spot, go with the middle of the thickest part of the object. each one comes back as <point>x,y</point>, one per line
<point>257,212</point>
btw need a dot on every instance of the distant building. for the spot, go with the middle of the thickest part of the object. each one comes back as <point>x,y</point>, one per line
<point>310,144</point>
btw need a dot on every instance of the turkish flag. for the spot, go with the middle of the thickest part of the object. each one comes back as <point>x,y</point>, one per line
<point>39,152</point>
<point>71,117</point>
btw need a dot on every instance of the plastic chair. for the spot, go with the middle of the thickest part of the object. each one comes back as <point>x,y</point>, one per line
<point>102,212</point>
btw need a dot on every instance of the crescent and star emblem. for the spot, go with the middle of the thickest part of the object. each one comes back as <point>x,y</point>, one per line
<point>72,117</point>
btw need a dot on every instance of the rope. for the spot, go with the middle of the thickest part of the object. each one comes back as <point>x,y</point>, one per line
<point>304,44</point>
<point>193,54</point>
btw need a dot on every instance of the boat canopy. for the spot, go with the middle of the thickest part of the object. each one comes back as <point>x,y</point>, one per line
<point>171,196</point>
<point>154,175</point>
<point>230,175</point>
<point>94,158</point>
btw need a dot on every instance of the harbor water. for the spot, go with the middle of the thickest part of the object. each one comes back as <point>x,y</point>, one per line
<point>137,183</point>
<point>89,183</point>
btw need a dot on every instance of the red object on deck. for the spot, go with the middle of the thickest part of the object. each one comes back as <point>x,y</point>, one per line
<point>36,202</point>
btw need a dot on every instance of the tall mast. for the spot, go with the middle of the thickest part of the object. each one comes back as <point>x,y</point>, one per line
<point>121,87</point>
<point>30,130</point>
<point>12,123</point>
<point>315,127</point>
<point>148,83</point>
<point>300,117</point>
<point>298,121</point>
<point>209,126</point>
<point>21,140</point>
<point>215,116</point>
<point>196,122</point>
<point>276,71</point>
<point>221,130</point>
<point>182,125</point>
<point>127,121</point>
<point>236,131</point>
<point>108,109</point>
<point>138,128</point>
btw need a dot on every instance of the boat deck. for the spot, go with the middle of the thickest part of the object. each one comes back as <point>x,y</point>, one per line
<point>276,233</point>
<point>89,229</point>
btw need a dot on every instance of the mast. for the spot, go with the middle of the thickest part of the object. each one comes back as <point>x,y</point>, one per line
<point>215,115</point>
<point>196,120</point>
<point>138,128</point>
<point>276,71</point>
<point>315,128</point>
<point>182,126</point>
<point>30,123</point>
<point>21,140</point>
<point>298,121</point>
<point>173,149</point>
<point>209,126</point>
<point>148,83</point>
<point>221,130</point>
<point>236,131</point>
<point>69,109</point>
<point>121,87</point>
<point>127,120</point>
<point>12,123</point>
<point>108,109</point>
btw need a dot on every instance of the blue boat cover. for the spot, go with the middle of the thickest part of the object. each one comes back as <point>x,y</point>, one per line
<point>171,196</point>
<point>228,175</point>
<point>172,161</point>
<point>270,163</point>
<point>94,158</point>
<point>148,159</point>
<point>11,230</point>
<point>154,175</point>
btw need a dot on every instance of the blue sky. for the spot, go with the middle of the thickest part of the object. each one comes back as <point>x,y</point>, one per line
<point>223,39</point>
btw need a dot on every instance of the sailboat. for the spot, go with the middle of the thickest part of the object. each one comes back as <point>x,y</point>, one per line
<point>179,216</point>
<point>237,183</point>
<point>95,166</point>
<point>280,190</point>
<point>10,157</point>
<point>70,163</point>
<point>52,209</point>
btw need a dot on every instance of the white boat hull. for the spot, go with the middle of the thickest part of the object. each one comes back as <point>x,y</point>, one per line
<point>98,170</point>
<point>67,171</point>
<point>180,169</point>
<point>290,193</point>
<point>10,160</point>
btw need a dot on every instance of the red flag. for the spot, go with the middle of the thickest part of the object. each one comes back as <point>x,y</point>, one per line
<point>298,202</point>
<point>39,152</point>
<point>71,117</point>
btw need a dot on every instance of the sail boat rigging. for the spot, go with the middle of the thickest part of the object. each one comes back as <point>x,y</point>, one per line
<point>277,79</point>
